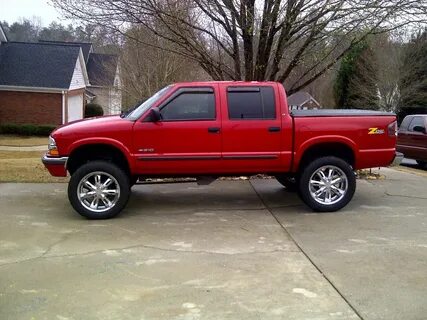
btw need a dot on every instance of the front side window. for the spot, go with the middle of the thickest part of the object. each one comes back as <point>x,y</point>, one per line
<point>416,122</point>
<point>190,106</point>
<point>246,103</point>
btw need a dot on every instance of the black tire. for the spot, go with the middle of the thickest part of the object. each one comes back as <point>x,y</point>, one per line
<point>309,171</point>
<point>121,184</point>
<point>421,163</point>
<point>290,183</point>
<point>133,180</point>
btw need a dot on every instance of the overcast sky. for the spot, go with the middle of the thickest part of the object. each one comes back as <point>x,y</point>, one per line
<point>12,10</point>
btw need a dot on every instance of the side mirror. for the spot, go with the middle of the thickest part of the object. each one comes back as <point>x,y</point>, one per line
<point>155,115</point>
<point>420,129</point>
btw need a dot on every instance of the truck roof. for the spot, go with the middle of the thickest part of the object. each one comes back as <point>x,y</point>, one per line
<point>201,83</point>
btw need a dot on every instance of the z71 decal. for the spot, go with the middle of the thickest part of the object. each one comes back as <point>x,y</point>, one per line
<point>375,131</point>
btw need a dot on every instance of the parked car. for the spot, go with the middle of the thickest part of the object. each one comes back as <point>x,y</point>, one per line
<point>412,138</point>
<point>215,129</point>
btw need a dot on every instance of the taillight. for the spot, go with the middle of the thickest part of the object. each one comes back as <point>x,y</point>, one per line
<point>392,129</point>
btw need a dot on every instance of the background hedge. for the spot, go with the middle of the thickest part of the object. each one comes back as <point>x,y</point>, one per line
<point>26,129</point>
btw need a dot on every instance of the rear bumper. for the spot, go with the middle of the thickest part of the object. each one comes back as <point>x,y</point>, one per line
<point>55,166</point>
<point>397,159</point>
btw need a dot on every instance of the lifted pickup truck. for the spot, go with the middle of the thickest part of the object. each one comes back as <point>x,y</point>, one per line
<point>219,129</point>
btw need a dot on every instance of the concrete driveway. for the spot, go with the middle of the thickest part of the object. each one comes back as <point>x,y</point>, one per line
<point>230,250</point>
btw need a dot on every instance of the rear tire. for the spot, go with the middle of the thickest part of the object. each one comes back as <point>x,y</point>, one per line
<point>99,190</point>
<point>327,184</point>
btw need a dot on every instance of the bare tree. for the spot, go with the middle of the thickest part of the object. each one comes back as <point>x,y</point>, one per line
<point>291,41</point>
<point>146,69</point>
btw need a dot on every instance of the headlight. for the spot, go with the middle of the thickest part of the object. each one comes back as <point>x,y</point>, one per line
<point>53,150</point>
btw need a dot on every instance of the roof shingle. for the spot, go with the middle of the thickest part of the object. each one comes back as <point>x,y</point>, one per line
<point>101,69</point>
<point>42,65</point>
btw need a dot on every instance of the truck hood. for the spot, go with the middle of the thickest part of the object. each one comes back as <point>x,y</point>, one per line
<point>91,125</point>
<point>86,123</point>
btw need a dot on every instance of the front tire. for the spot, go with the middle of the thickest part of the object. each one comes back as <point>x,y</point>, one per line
<point>421,163</point>
<point>327,184</point>
<point>99,190</point>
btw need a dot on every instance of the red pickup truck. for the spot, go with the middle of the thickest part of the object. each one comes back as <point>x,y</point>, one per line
<point>219,129</point>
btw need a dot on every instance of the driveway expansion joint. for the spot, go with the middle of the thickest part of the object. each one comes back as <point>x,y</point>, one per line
<point>304,253</point>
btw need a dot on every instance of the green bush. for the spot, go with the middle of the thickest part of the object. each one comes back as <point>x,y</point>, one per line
<point>93,110</point>
<point>26,129</point>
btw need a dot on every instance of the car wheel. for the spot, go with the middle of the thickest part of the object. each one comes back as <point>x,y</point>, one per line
<point>421,163</point>
<point>327,184</point>
<point>290,183</point>
<point>99,190</point>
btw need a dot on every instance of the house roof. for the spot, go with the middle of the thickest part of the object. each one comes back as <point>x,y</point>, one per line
<point>300,98</point>
<point>86,46</point>
<point>41,65</point>
<point>101,69</point>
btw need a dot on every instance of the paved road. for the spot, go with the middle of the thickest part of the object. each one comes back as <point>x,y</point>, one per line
<point>230,250</point>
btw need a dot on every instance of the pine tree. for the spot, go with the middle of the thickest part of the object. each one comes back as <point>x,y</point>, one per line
<point>413,85</point>
<point>356,82</point>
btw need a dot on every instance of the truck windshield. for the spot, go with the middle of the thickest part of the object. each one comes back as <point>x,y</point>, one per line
<point>137,111</point>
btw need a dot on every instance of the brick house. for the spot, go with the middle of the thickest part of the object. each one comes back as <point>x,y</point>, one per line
<point>47,82</point>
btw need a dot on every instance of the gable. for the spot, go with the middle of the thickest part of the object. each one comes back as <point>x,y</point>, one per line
<point>78,80</point>
<point>3,37</point>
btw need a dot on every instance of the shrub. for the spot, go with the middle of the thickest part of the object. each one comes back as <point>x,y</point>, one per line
<point>93,110</point>
<point>26,129</point>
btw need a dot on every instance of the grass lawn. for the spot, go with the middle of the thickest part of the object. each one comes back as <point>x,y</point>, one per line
<point>18,166</point>
<point>22,141</point>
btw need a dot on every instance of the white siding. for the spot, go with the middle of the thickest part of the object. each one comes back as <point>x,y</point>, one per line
<point>110,99</point>
<point>78,80</point>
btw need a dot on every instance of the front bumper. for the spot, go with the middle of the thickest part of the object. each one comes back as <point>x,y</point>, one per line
<point>397,159</point>
<point>57,167</point>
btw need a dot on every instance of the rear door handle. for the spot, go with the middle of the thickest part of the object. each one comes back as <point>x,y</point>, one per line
<point>274,129</point>
<point>213,130</point>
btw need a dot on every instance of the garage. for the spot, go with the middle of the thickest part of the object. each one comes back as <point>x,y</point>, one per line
<point>75,107</point>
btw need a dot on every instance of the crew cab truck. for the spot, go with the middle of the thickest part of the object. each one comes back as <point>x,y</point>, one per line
<point>219,129</point>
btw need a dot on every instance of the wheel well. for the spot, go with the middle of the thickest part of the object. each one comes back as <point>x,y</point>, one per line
<point>338,150</point>
<point>92,152</point>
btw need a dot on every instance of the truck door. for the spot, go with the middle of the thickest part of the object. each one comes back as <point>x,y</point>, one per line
<point>251,128</point>
<point>188,137</point>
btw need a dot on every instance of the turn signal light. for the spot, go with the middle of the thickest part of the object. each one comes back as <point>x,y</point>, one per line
<point>53,152</point>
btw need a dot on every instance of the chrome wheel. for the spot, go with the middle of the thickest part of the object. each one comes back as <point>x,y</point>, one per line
<point>98,191</point>
<point>328,185</point>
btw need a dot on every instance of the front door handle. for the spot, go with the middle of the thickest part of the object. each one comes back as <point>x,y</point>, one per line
<point>274,129</point>
<point>213,130</point>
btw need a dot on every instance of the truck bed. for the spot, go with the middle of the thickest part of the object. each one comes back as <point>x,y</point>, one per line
<point>338,113</point>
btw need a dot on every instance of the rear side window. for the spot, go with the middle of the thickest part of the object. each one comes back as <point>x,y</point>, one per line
<point>245,103</point>
<point>405,123</point>
<point>190,106</point>
<point>416,121</point>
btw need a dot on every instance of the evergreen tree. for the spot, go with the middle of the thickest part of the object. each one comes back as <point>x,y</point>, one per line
<point>356,82</point>
<point>413,85</point>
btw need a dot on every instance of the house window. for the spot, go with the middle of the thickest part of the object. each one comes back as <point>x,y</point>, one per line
<point>246,103</point>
